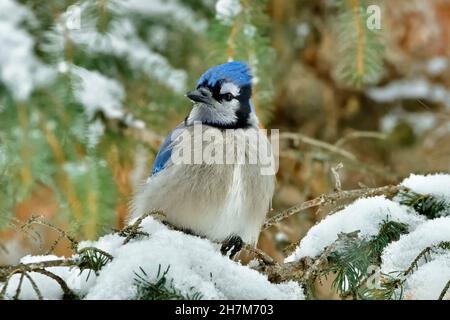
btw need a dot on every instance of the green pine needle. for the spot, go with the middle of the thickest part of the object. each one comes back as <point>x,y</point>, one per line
<point>161,288</point>
<point>360,49</point>
<point>426,205</point>
<point>351,262</point>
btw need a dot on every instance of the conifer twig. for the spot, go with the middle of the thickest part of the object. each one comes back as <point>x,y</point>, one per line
<point>422,254</point>
<point>444,291</point>
<point>297,137</point>
<point>337,178</point>
<point>68,293</point>
<point>39,221</point>
<point>360,134</point>
<point>332,198</point>
<point>34,286</point>
<point>260,254</point>
<point>133,230</point>
<point>19,287</point>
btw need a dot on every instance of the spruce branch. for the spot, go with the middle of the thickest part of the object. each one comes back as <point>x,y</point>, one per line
<point>351,257</point>
<point>298,137</point>
<point>330,199</point>
<point>425,254</point>
<point>34,286</point>
<point>360,49</point>
<point>444,291</point>
<point>161,288</point>
<point>19,287</point>
<point>91,258</point>
<point>337,150</point>
<point>390,284</point>
<point>360,135</point>
<point>426,205</point>
<point>38,220</point>
<point>261,255</point>
<point>337,178</point>
<point>131,232</point>
<point>68,294</point>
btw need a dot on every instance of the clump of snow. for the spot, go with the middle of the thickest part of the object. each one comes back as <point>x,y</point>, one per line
<point>226,10</point>
<point>172,8</point>
<point>433,272</point>
<point>437,185</point>
<point>437,65</point>
<point>121,40</point>
<point>48,287</point>
<point>95,130</point>
<point>364,215</point>
<point>20,69</point>
<point>97,92</point>
<point>399,255</point>
<point>196,266</point>
<point>428,281</point>
<point>411,89</point>
<point>420,122</point>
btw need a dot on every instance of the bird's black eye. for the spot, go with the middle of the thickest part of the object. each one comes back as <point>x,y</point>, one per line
<point>228,97</point>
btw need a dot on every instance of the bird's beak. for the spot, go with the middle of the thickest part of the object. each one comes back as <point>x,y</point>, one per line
<point>199,95</point>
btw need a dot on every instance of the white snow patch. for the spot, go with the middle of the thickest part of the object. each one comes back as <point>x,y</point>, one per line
<point>196,266</point>
<point>226,10</point>
<point>20,70</point>
<point>428,281</point>
<point>420,122</point>
<point>194,263</point>
<point>97,92</point>
<point>364,215</point>
<point>411,89</point>
<point>173,8</point>
<point>437,65</point>
<point>399,255</point>
<point>47,286</point>
<point>437,185</point>
<point>121,40</point>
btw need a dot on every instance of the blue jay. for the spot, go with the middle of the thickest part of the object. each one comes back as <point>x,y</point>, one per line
<point>222,202</point>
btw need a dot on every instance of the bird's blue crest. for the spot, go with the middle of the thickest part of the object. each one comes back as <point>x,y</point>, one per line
<point>236,72</point>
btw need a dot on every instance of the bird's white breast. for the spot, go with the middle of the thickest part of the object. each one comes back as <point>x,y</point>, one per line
<point>214,200</point>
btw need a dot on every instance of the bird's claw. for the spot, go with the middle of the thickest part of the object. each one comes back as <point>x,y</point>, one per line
<point>233,244</point>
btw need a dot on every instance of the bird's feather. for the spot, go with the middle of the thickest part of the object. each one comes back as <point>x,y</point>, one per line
<point>236,72</point>
<point>165,151</point>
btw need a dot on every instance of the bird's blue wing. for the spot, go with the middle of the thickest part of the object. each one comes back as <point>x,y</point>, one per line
<point>165,151</point>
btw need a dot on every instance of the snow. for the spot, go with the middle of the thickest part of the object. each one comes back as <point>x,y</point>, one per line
<point>398,255</point>
<point>20,69</point>
<point>437,185</point>
<point>121,40</point>
<point>420,122</point>
<point>48,287</point>
<point>429,280</point>
<point>95,131</point>
<point>226,10</point>
<point>364,215</point>
<point>437,66</point>
<point>419,88</point>
<point>175,9</point>
<point>194,263</point>
<point>98,93</point>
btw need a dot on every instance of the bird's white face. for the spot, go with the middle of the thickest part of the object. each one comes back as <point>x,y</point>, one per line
<point>224,105</point>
